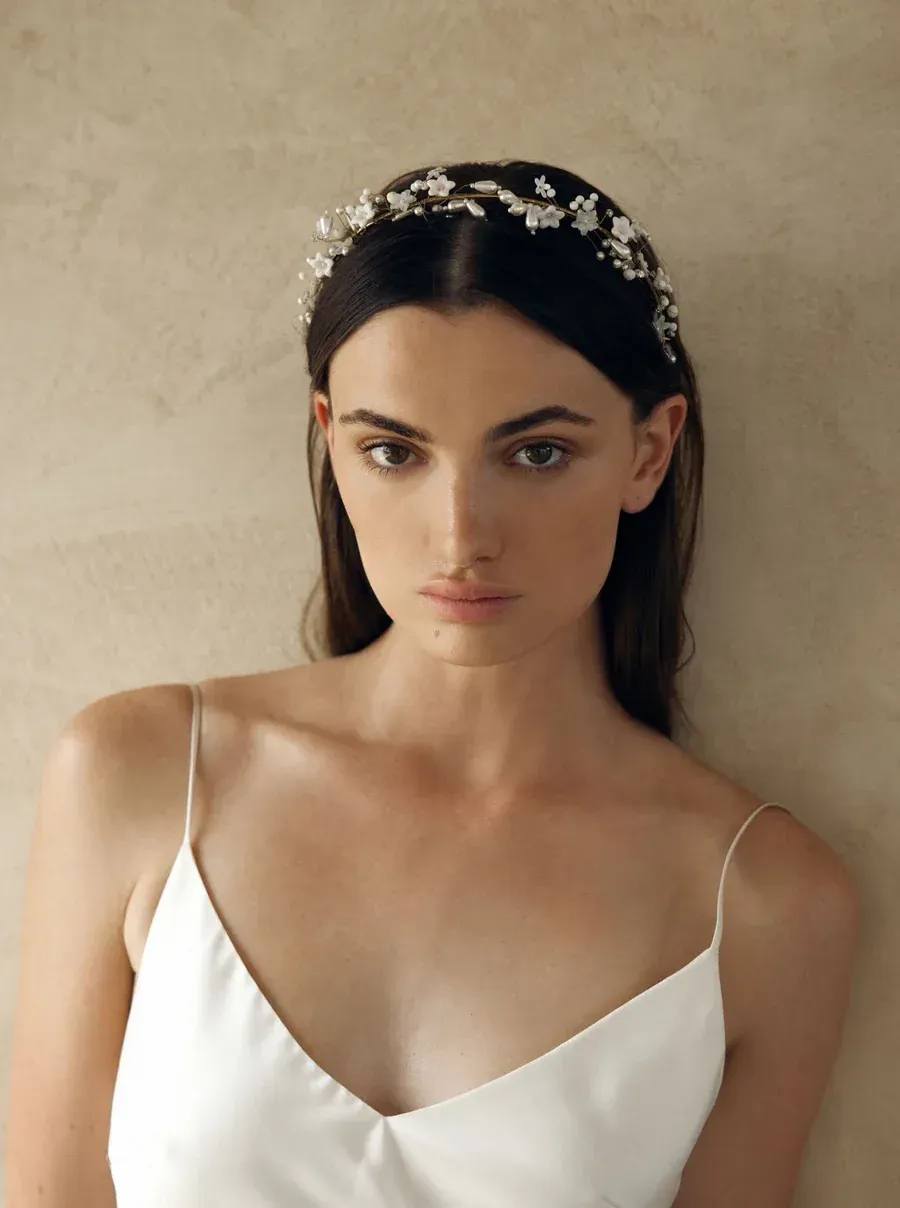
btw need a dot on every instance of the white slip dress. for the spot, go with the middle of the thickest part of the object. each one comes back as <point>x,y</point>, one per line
<point>217,1105</point>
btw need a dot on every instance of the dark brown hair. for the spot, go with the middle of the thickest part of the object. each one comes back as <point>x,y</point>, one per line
<point>456,263</point>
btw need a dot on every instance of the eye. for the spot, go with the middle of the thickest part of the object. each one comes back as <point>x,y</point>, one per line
<point>566,456</point>
<point>371,464</point>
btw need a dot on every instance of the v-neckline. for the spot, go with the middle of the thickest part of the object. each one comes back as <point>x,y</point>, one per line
<point>483,1088</point>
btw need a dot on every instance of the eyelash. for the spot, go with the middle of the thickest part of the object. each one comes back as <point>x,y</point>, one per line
<point>562,464</point>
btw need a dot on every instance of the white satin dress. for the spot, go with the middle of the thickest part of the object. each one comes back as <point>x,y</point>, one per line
<point>216,1105</point>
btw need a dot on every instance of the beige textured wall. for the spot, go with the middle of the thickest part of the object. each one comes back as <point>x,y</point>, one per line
<point>162,165</point>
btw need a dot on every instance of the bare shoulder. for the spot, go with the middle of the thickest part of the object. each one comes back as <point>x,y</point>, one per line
<point>132,747</point>
<point>791,915</point>
<point>140,738</point>
<point>134,718</point>
<point>780,859</point>
<point>122,765</point>
<point>794,930</point>
<point>788,883</point>
<point>791,909</point>
<point>97,797</point>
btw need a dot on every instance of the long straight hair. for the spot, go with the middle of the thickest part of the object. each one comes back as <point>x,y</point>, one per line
<point>452,264</point>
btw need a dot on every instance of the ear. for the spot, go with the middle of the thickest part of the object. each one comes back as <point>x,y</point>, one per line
<point>322,410</point>
<point>656,440</point>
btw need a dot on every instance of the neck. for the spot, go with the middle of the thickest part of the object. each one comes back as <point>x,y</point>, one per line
<point>496,722</point>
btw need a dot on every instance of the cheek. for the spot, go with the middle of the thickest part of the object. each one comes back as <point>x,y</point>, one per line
<point>573,544</point>
<point>381,524</point>
<point>358,495</point>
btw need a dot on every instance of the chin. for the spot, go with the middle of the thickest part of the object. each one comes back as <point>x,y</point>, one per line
<point>474,645</point>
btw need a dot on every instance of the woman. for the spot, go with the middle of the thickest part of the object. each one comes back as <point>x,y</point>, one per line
<point>449,923</point>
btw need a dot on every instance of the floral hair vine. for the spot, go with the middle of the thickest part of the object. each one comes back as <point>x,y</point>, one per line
<point>623,241</point>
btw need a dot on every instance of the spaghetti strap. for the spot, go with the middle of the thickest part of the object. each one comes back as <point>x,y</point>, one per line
<point>717,935</point>
<point>195,739</point>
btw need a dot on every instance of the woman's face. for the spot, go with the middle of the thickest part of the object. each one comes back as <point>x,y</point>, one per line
<point>535,511</point>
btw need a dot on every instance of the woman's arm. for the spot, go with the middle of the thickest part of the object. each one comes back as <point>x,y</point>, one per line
<point>788,953</point>
<point>75,978</point>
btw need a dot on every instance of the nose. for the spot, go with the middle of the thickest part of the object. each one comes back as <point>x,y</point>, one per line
<point>467,520</point>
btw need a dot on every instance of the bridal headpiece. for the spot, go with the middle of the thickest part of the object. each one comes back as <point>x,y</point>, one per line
<point>623,241</point>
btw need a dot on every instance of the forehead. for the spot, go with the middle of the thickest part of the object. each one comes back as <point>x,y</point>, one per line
<point>413,353</point>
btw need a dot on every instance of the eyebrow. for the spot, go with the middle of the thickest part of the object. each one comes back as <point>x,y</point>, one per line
<point>509,427</point>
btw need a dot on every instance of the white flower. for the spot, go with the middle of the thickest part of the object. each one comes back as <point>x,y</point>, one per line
<point>542,188</point>
<point>439,186</point>
<point>321,264</point>
<point>664,328</point>
<point>549,216</point>
<point>622,229</point>
<point>585,221</point>
<point>359,215</point>
<point>662,282</point>
<point>432,172</point>
<point>401,201</point>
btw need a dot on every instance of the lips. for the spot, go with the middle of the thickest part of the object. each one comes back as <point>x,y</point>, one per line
<point>467,591</point>
<point>484,609</point>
